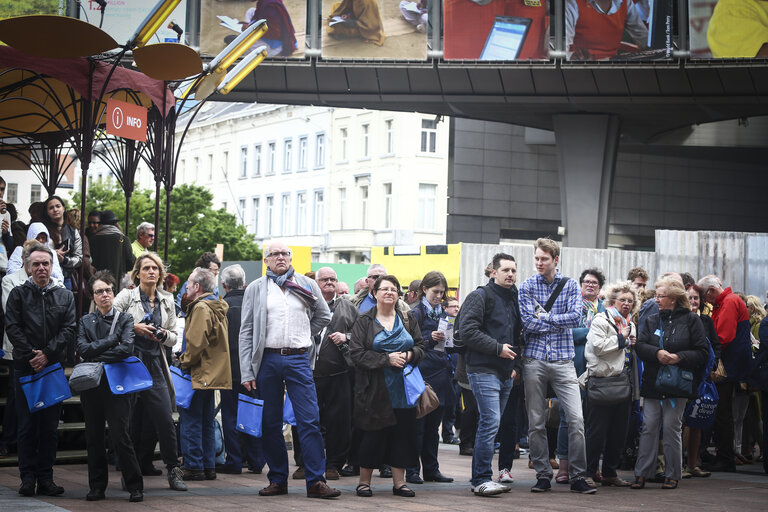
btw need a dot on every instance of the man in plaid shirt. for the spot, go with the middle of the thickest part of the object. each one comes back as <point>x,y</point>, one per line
<point>548,361</point>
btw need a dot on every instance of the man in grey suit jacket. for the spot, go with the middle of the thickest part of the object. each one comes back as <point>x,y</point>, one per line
<point>281,314</point>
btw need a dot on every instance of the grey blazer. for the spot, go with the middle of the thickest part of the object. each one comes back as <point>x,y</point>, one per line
<point>253,329</point>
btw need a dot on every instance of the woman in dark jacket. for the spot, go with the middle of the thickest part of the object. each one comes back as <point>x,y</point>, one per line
<point>107,336</point>
<point>437,371</point>
<point>382,342</point>
<point>675,336</point>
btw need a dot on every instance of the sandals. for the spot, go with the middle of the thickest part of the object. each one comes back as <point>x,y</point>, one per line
<point>403,491</point>
<point>669,484</point>
<point>639,483</point>
<point>364,490</point>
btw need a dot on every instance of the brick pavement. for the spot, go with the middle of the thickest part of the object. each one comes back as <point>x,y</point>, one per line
<point>743,491</point>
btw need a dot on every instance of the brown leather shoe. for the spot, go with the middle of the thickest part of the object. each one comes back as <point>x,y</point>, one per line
<point>321,490</point>
<point>274,490</point>
<point>331,474</point>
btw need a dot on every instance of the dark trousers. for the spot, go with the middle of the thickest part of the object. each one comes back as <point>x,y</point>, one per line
<point>155,421</point>
<point>469,418</point>
<point>357,434</point>
<point>451,415</point>
<point>427,441</point>
<point>764,404</point>
<point>198,439</point>
<point>99,404</point>
<point>724,423</point>
<point>509,431</point>
<point>36,438</point>
<point>605,432</point>
<point>239,446</point>
<point>334,399</point>
<point>10,425</point>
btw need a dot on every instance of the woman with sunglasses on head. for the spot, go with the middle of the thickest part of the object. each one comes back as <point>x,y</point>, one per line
<point>66,239</point>
<point>383,341</point>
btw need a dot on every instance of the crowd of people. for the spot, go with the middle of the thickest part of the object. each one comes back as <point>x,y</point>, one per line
<point>589,374</point>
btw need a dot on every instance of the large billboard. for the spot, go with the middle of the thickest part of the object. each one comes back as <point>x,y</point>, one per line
<point>619,30</point>
<point>496,29</point>
<point>728,29</point>
<point>121,19</point>
<point>375,29</point>
<point>222,20</point>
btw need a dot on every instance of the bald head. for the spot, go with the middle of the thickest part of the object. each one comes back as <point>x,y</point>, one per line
<point>278,258</point>
<point>326,278</point>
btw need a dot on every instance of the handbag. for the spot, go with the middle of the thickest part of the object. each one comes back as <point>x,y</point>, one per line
<point>414,384</point>
<point>671,379</point>
<point>127,376</point>
<point>612,390</point>
<point>427,403</point>
<point>86,376</point>
<point>46,388</point>
<point>700,413</point>
<point>249,415</point>
<point>182,384</point>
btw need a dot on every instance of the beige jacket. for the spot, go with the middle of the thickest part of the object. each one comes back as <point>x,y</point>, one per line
<point>604,353</point>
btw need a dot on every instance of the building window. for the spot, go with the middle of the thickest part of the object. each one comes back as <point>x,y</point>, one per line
<point>271,158</point>
<point>255,215</point>
<point>343,138</point>
<point>302,154</point>
<point>34,195</point>
<point>364,206</point>
<point>243,162</point>
<point>301,213</point>
<point>428,136</point>
<point>210,167</point>
<point>181,171</point>
<point>342,206</point>
<point>318,214</point>
<point>241,210</point>
<point>285,218</point>
<point>320,150</point>
<point>366,143</point>
<point>225,166</point>
<point>387,206</point>
<point>287,155</point>
<point>257,160</point>
<point>390,140</point>
<point>270,215</point>
<point>196,169</point>
<point>426,214</point>
<point>12,193</point>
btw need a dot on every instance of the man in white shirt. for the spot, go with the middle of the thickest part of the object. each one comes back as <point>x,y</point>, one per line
<point>281,314</point>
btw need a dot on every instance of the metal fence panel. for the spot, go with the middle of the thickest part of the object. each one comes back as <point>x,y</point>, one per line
<point>756,269</point>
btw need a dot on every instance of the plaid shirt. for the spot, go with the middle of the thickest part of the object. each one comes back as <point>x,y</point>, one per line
<point>549,338</point>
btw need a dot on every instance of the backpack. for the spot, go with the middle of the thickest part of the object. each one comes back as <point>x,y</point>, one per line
<point>458,346</point>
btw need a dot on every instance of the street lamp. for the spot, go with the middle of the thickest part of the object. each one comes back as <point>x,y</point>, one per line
<point>152,23</point>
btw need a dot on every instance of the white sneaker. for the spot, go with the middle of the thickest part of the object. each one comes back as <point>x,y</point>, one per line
<point>489,488</point>
<point>505,476</point>
<point>421,27</point>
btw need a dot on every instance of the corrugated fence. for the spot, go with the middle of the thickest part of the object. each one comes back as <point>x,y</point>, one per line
<point>740,259</point>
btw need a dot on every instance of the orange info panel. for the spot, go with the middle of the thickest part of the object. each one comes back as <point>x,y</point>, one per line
<point>127,120</point>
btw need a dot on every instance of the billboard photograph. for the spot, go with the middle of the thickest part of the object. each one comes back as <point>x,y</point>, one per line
<point>27,7</point>
<point>496,30</point>
<point>222,20</point>
<point>375,29</point>
<point>620,30</point>
<point>728,29</point>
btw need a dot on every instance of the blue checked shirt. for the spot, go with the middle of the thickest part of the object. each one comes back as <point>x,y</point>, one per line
<point>549,338</point>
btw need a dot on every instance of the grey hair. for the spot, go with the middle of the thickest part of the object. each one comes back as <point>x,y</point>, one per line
<point>233,277</point>
<point>204,278</point>
<point>376,266</point>
<point>710,281</point>
<point>36,247</point>
<point>616,289</point>
<point>143,227</point>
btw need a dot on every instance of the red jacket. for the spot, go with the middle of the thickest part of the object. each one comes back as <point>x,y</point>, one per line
<point>729,311</point>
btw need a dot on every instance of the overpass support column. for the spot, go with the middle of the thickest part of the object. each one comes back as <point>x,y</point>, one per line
<point>586,155</point>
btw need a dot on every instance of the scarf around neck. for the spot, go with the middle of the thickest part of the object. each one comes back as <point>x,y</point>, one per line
<point>284,281</point>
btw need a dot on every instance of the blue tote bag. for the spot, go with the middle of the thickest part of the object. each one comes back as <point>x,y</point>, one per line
<point>128,376</point>
<point>182,383</point>
<point>414,383</point>
<point>46,388</point>
<point>249,414</point>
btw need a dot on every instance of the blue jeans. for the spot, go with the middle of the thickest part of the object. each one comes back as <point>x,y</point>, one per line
<point>277,373</point>
<point>491,394</point>
<point>198,439</point>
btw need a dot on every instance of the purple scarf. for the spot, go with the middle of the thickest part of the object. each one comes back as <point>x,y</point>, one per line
<point>284,281</point>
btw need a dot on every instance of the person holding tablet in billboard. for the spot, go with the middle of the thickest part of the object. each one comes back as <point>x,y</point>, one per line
<point>594,28</point>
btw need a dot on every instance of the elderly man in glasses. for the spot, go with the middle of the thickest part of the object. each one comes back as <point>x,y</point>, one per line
<point>145,237</point>
<point>282,312</point>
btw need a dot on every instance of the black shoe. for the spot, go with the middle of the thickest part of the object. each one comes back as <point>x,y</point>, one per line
<point>194,475</point>
<point>719,467</point>
<point>542,485</point>
<point>385,472</point>
<point>350,470</point>
<point>450,440</point>
<point>210,474</point>
<point>49,489</point>
<point>95,495</point>
<point>136,496</point>
<point>582,487</point>
<point>403,491</point>
<point>27,488</point>
<point>467,451</point>
<point>151,471</point>
<point>228,470</point>
<point>438,477</point>
<point>414,479</point>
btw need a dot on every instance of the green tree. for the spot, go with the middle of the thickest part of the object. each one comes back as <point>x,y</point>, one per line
<point>195,226</point>
<point>10,8</point>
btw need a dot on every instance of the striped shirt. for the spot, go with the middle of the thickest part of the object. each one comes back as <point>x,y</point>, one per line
<point>548,337</point>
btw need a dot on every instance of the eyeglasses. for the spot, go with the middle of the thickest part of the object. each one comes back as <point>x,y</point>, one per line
<point>103,291</point>
<point>326,279</point>
<point>591,283</point>
<point>278,254</point>
<point>659,296</point>
<point>388,290</point>
<point>625,301</point>
<point>375,276</point>
<point>149,235</point>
